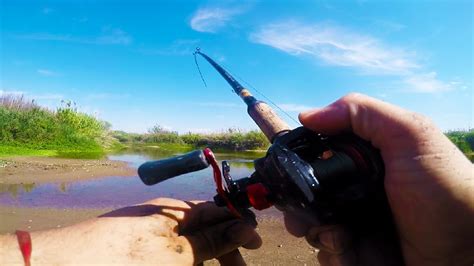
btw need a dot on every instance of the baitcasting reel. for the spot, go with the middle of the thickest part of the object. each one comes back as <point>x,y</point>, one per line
<point>339,179</point>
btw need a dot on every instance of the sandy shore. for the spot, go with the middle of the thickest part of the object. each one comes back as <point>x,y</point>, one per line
<point>20,170</point>
<point>279,247</point>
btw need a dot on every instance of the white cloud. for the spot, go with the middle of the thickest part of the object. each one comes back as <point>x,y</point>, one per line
<point>109,36</point>
<point>47,72</point>
<point>336,46</point>
<point>211,19</point>
<point>291,107</point>
<point>428,83</point>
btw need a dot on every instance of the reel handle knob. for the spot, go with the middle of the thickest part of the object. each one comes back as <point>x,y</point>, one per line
<point>154,172</point>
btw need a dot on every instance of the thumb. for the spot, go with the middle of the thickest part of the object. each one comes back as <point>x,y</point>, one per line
<point>215,241</point>
<point>334,239</point>
<point>369,118</point>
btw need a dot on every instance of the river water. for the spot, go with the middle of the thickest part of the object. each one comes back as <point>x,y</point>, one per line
<point>118,191</point>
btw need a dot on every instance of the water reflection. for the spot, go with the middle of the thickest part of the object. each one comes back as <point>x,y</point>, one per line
<point>15,189</point>
<point>122,191</point>
<point>63,187</point>
<point>136,156</point>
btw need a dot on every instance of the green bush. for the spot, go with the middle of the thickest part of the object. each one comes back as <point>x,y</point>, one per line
<point>27,125</point>
<point>230,140</point>
<point>464,140</point>
<point>158,134</point>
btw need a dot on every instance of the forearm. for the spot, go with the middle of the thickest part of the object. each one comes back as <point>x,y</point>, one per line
<point>51,247</point>
<point>46,248</point>
<point>10,253</point>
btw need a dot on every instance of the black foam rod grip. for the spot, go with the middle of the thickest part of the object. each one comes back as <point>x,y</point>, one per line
<point>154,172</point>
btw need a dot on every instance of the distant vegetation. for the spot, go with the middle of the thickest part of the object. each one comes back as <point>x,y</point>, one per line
<point>232,139</point>
<point>29,129</point>
<point>464,139</point>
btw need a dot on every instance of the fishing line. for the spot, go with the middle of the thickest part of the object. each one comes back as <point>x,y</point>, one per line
<point>263,95</point>
<point>248,84</point>
<point>199,69</point>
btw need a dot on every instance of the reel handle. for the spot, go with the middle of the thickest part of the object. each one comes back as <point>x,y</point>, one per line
<point>154,172</point>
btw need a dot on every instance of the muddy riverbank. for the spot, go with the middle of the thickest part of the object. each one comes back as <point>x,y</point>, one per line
<point>26,170</point>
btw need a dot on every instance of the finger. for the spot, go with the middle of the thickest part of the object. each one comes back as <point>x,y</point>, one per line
<point>254,243</point>
<point>189,215</point>
<point>332,239</point>
<point>345,259</point>
<point>233,258</point>
<point>298,223</point>
<point>203,214</point>
<point>365,116</point>
<point>220,239</point>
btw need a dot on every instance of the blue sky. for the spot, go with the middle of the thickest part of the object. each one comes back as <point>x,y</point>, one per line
<point>130,62</point>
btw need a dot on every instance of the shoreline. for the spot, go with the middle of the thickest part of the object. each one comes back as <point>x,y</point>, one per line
<point>38,170</point>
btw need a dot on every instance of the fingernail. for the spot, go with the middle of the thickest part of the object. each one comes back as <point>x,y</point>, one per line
<point>238,232</point>
<point>326,239</point>
<point>310,111</point>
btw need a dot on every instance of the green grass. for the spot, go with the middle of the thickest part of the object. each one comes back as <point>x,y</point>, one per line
<point>9,151</point>
<point>30,130</point>
<point>12,151</point>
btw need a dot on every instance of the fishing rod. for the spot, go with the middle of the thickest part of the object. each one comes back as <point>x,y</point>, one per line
<point>263,115</point>
<point>335,179</point>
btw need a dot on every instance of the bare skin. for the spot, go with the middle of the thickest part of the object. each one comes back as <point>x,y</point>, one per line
<point>159,232</point>
<point>429,185</point>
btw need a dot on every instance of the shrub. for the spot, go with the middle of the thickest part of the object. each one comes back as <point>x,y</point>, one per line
<point>23,123</point>
<point>231,140</point>
<point>464,140</point>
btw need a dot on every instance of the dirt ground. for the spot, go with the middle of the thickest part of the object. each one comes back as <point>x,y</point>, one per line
<point>43,169</point>
<point>279,247</point>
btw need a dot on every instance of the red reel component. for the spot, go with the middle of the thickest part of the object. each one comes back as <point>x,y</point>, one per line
<point>257,195</point>
<point>211,159</point>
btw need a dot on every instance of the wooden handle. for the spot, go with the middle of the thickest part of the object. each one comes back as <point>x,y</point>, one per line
<point>267,120</point>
